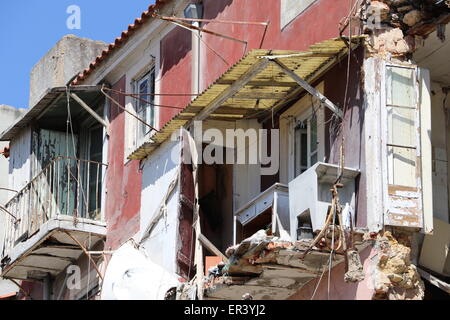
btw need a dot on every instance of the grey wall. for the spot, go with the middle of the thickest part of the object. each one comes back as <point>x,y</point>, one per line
<point>67,58</point>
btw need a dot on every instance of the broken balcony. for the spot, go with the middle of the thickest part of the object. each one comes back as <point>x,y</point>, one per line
<point>50,217</point>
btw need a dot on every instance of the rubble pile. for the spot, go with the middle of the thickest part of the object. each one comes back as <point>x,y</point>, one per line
<point>395,277</point>
<point>405,14</point>
<point>394,24</point>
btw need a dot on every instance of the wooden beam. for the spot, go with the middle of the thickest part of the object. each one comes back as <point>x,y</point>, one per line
<point>212,248</point>
<point>89,109</point>
<point>232,89</point>
<point>261,83</point>
<point>308,87</point>
<point>434,280</point>
<point>259,96</point>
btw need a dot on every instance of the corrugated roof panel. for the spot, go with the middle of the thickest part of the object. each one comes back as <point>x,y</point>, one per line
<point>308,65</point>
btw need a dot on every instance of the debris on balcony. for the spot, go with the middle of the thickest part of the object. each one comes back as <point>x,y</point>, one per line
<point>266,267</point>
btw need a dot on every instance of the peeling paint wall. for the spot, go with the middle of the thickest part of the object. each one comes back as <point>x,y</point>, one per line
<point>7,117</point>
<point>157,174</point>
<point>20,160</point>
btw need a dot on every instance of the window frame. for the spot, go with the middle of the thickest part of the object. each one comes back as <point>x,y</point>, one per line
<point>148,75</point>
<point>300,110</point>
<point>389,108</point>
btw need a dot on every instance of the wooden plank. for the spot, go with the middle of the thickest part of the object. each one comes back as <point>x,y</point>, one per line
<point>259,96</point>
<point>308,87</point>
<point>426,150</point>
<point>88,109</point>
<point>434,280</point>
<point>208,245</point>
<point>232,89</point>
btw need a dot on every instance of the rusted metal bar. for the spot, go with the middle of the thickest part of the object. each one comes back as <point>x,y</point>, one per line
<point>21,288</point>
<point>6,189</point>
<point>5,210</point>
<point>86,253</point>
<point>192,27</point>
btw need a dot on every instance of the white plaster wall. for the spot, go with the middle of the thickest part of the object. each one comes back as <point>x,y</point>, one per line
<point>8,115</point>
<point>159,170</point>
<point>291,9</point>
<point>440,161</point>
<point>19,161</point>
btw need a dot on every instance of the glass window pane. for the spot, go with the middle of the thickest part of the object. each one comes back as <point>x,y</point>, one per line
<point>304,149</point>
<point>313,134</point>
<point>401,127</point>
<point>301,149</point>
<point>402,166</point>
<point>400,87</point>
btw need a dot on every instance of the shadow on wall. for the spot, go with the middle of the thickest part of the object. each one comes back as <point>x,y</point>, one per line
<point>177,43</point>
<point>213,7</point>
<point>174,47</point>
<point>161,163</point>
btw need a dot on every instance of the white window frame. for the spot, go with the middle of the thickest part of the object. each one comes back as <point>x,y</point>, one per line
<point>288,121</point>
<point>305,119</point>
<point>145,76</point>
<point>421,193</point>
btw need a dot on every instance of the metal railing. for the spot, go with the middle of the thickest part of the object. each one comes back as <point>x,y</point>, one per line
<point>66,186</point>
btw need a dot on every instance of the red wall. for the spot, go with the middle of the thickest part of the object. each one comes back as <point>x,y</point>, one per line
<point>176,53</point>
<point>319,22</point>
<point>123,181</point>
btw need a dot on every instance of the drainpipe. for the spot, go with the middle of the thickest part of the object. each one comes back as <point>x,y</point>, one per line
<point>47,288</point>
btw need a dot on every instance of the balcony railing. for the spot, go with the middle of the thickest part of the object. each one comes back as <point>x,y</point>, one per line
<point>66,186</point>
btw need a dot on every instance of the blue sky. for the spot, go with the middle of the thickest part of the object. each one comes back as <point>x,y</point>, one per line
<point>29,28</point>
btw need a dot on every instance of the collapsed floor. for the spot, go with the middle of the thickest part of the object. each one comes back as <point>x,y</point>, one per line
<point>264,267</point>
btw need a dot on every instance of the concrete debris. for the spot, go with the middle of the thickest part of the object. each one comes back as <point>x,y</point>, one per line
<point>395,278</point>
<point>392,41</point>
<point>412,17</point>
<point>247,297</point>
<point>355,271</point>
<point>380,8</point>
<point>273,268</point>
<point>393,22</point>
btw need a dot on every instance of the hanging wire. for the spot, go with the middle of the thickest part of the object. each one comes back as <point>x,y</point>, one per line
<point>320,279</point>
<point>136,96</point>
<point>125,109</point>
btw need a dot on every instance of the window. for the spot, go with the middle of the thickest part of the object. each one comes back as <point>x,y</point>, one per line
<point>402,118</point>
<point>145,88</point>
<point>302,137</point>
<point>290,9</point>
<point>305,144</point>
<point>95,172</point>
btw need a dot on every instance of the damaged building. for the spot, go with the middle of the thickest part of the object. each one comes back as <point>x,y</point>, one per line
<point>341,191</point>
